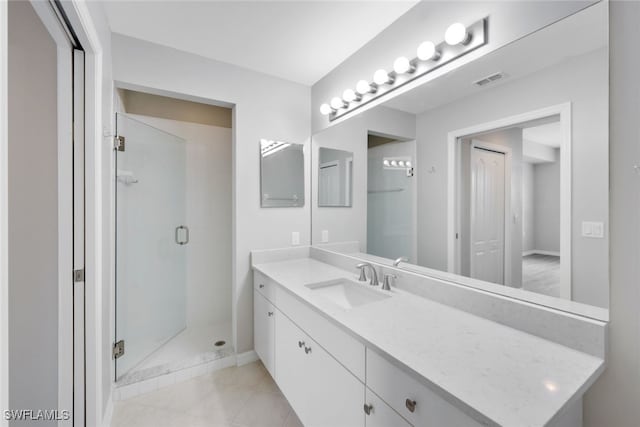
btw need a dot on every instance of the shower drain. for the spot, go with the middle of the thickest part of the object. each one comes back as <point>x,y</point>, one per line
<point>220,343</point>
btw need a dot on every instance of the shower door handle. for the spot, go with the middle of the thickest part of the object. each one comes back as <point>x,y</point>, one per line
<point>177,235</point>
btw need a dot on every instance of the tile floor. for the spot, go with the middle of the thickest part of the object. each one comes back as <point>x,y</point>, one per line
<point>243,396</point>
<point>541,274</point>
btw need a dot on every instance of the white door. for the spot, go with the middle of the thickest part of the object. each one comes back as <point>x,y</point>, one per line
<point>329,184</point>
<point>487,215</point>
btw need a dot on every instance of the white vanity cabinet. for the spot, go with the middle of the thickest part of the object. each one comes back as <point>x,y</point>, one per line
<point>320,390</point>
<point>264,330</point>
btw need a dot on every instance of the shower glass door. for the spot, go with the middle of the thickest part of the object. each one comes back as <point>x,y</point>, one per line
<point>151,240</point>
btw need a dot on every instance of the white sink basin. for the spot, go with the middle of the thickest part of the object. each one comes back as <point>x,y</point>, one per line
<point>347,294</point>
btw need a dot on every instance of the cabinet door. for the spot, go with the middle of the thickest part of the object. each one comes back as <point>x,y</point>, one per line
<point>380,414</point>
<point>321,391</point>
<point>264,330</point>
<point>291,373</point>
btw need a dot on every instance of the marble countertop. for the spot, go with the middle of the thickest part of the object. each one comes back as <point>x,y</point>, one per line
<point>507,376</point>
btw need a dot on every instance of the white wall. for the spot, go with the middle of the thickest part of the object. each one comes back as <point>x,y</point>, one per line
<point>264,107</point>
<point>547,205</point>
<point>428,20</point>
<point>580,80</point>
<point>528,208</point>
<point>208,212</point>
<point>33,211</point>
<point>349,223</point>
<point>613,399</point>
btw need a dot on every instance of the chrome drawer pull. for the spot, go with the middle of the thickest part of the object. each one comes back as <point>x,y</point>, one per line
<point>410,404</point>
<point>368,408</point>
<point>300,344</point>
<point>270,313</point>
<point>261,286</point>
<point>307,350</point>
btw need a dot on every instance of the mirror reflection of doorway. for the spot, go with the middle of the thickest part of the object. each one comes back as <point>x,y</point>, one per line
<point>509,205</point>
<point>391,197</point>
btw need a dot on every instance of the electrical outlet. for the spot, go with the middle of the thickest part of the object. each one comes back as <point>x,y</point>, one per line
<point>295,238</point>
<point>325,236</point>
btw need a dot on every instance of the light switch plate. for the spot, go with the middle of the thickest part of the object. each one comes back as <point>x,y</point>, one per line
<point>325,236</point>
<point>593,229</point>
<point>295,238</point>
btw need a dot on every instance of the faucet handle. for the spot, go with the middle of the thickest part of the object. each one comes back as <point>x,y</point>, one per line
<point>363,276</point>
<point>388,279</point>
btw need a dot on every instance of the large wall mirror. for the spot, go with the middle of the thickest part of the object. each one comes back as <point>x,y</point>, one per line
<point>495,175</point>
<point>281,174</point>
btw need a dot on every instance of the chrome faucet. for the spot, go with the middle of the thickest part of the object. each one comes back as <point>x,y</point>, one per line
<point>399,260</point>
<point>363,276</point>
<point>388,279</point>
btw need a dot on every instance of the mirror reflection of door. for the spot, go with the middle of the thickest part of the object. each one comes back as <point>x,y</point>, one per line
<point>329,184</point>
<point>488,177</point>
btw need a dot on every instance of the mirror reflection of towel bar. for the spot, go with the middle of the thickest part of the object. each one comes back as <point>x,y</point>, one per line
<point>391,190</point>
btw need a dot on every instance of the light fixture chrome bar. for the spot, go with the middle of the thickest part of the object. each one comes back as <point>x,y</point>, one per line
<point>447,53</point>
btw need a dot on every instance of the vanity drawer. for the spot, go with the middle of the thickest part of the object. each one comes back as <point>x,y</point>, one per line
<point>342,346</point>
<point>265,286</point>
<point>400,390</point>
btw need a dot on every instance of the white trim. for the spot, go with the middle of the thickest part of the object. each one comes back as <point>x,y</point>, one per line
<point>108,411</point>
<point>540,252</point>
<point>82,23</point>
<point>564,111</point>
<point>4,229</point>
<point>246,358</point>
<point>508,211</point>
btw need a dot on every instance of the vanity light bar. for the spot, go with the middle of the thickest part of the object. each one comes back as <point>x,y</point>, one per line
<point>396,163</point>
<point>268,147</point>
<point>458,41</point>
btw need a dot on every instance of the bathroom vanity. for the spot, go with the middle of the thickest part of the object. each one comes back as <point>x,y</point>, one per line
<point>345,353</point>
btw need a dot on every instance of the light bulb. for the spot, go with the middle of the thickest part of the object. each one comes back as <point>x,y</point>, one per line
<point>456,34</point>
<point>385,162</point>
<point>408,164</point>
<point>349,95</point>
<point>325,109</point>
<point>401,163</point>
<point>427,50</point>
<point>364,87</point>
<point>394,163</point>
<point>403,65</point>
<point>337,103</point>
<point>381,77</point>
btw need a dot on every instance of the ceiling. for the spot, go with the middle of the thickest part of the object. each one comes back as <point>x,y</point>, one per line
<point>300,41</point>
<point>549,134</point>
<point>576,35</point>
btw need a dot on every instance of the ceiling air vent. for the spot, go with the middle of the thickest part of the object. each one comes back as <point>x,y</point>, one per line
<point>489,79</point>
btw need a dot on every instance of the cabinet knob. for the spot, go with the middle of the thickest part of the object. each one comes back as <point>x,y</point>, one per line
<point>368,408</point>
<point>307,350</point>
<point>300,344</point>
<point>270,313</point>
<point>410,404</point>
<point>261,286</point>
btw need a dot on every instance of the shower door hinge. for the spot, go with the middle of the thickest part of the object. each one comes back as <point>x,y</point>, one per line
<point>118,349</point>
<point>78,275</point>
<point>118,143</point>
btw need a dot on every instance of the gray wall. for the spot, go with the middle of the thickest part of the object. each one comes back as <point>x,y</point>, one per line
<point>33,213</point>
<point>580,80</point>
<point>613,399</point>
<point>528,208</point>
<point>546,215</point>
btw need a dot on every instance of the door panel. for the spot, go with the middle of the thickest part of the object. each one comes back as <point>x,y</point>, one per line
<point>150,240</point>
<point>487,215</point>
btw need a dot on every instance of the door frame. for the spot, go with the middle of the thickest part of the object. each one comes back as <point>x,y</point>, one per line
<point>508,213</point>
<point>564,111</point>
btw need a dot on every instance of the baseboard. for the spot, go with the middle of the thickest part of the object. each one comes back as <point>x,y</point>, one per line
<point>108,412</point>
<point>540,252</point>
<point>247,357</point>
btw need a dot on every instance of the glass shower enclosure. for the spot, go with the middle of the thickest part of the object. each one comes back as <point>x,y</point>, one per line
<point>151,239</point>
